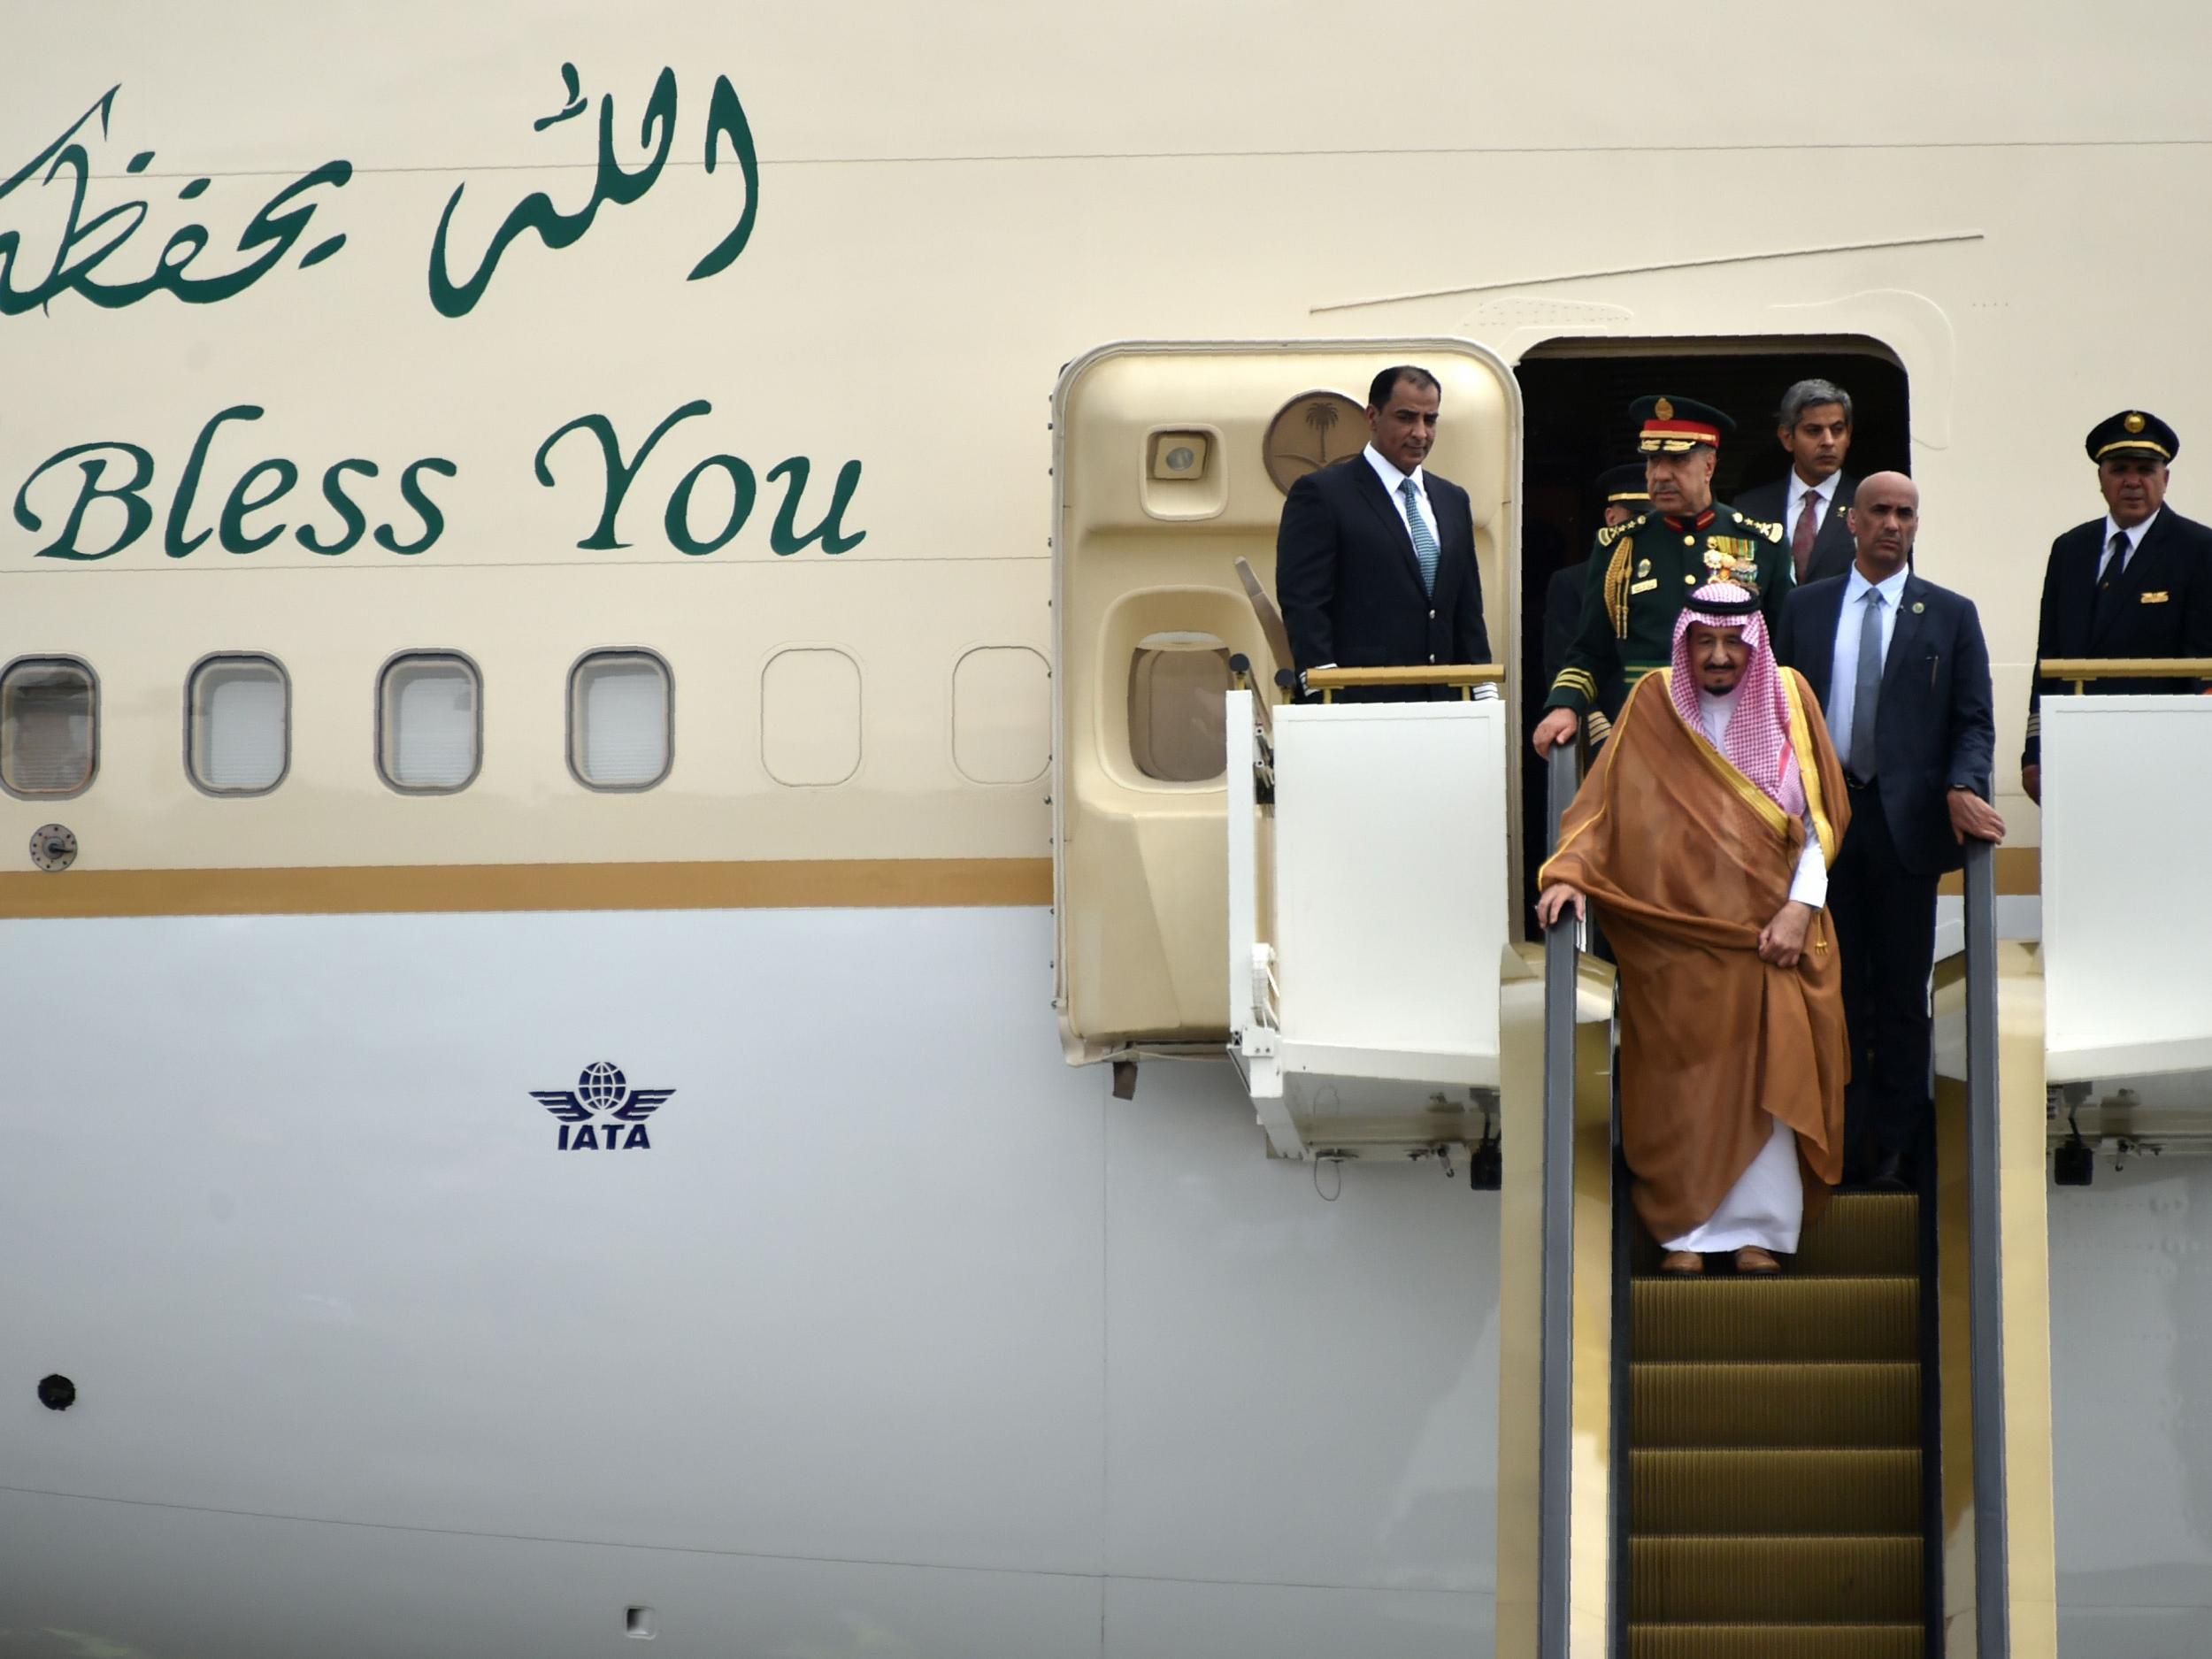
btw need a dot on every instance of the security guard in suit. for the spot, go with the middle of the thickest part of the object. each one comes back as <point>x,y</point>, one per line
<point>2136,582</point>
<point>1622,495</point>
<point>1640,573</point>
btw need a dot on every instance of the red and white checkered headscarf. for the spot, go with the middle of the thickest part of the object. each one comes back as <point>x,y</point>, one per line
<point>1757,742</point>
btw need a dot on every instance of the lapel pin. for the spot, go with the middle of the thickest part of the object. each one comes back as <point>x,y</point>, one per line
<point>1917,607</point>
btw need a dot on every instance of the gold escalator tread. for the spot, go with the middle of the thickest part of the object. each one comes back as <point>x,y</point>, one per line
<point>1703,1491</point>
<point>1819,1580</point>
<point>1785,1318</point>
<point>1774,1641</point>
<point>1746,1403</point>
<point>1862,1233</point>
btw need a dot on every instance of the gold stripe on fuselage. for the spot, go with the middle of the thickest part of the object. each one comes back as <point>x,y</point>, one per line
<point>733,884</point>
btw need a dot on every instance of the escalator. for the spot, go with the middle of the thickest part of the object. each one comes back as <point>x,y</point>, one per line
<point>1780,1451</point>
<point>1776,1444</point>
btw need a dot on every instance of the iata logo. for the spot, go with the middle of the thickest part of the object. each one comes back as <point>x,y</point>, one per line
<point>601,1105</point>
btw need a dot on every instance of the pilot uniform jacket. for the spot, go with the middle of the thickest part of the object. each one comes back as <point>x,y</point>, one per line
<point>1351,587</point>
<point>1934,729</point>
<point>1833,550</point>
<point>1634,587</point>
<point>2160,605</point>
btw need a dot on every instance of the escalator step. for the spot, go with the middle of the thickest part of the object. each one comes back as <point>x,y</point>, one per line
<point>1774,1641</point>
<point>1750,1404</point>
<point>1782,1319</point>
<point>1775,1492</point>
<point>1864,1233</point>
<point>1759,1580</point>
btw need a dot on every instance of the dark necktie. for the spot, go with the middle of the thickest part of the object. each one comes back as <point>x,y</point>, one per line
<point>1808,531</point>
<point>1866,694</point>
<point>2114,567</point>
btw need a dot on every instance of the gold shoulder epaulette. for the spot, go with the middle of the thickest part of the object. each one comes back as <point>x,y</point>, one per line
<point>1612,532</point>
<point>1772,531</point>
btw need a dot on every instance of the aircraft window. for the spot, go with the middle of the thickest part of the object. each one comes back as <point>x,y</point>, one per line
<point>50,708</point>
<point>620,720</point>
<point>238,737</point>
<point>810,717</point>
<point>430,722</point>
<point>1176,685</point>
<point>1002,715</point>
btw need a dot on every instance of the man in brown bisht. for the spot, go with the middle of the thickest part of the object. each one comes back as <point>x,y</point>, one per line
<point>1703,835</point>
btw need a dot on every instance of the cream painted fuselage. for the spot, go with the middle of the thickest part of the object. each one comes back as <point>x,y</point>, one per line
<point>891,1333</point>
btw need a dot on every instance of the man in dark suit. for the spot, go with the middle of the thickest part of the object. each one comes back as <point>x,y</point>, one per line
<point>1810,500</point>
<point>1903,672</point>
<point>1622,494</point>
<point>2136,583</point>
<point>1375,555</point>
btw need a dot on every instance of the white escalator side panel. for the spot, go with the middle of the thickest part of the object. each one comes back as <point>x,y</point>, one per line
<point>2127,793</point>
<point>1250,961</point>
<point>1391,872</point>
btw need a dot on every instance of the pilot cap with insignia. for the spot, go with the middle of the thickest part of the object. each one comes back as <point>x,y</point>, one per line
<point>1675,426</point>
<point>2132,434</point>
<point>1625,484</point>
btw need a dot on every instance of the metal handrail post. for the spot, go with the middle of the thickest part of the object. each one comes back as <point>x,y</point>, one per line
<point>1993,1599</point>
<point>1555,1407</point>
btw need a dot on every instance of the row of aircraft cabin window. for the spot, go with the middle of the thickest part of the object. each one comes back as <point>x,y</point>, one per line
<point>430,732</point>
<point>429,724</point>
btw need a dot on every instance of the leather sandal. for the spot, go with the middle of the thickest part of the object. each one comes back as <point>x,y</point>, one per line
<point>1752,1259</point>
<point>1682,1264</point>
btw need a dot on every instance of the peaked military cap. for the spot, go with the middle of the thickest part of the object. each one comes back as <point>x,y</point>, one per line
<point>1675,426</point>
<point>2133,432</point>
<point>1624,483</point>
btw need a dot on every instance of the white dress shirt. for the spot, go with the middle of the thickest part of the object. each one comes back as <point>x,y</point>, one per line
<point>1793,501</point>
<point>2135,541</point>
<point>1843,678</point>
<point>1393,480</point>
<point>1809,885</point>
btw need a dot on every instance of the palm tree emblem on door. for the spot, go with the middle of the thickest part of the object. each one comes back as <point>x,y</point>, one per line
<point>1309,433</point>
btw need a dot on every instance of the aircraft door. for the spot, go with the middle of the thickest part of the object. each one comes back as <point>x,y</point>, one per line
<point>1172,463</point>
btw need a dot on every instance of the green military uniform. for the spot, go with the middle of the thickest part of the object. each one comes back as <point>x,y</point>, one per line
<point>1640,573</point>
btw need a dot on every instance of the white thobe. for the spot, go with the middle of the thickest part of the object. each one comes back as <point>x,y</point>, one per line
<point>1766,1205</point>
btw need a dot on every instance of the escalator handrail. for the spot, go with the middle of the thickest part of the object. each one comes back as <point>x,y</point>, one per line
<point>1993,1600</point>
<point>1556,1424</point>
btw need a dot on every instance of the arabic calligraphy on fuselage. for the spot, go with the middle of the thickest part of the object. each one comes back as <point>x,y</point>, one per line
<point>50,202</point>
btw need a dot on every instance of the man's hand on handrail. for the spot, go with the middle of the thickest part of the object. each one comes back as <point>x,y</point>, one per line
<point>1552,904</point>
<point>1561,725</point>
<point>1970,815</point>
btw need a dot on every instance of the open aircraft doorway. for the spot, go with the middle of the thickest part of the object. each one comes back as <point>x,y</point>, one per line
<point>1575,396</point>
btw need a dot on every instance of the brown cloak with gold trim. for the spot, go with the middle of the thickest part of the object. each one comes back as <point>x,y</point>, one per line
<point>1686,860</point>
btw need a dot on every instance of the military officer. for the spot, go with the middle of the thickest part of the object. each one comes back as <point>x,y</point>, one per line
<point>1622,494</point>
<point>2136,582</point>
<point>1640,573</point>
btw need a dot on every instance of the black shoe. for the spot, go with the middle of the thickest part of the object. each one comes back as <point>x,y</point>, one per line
<point>1890,1174</point>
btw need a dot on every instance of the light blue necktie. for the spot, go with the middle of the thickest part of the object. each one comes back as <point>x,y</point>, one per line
<point>1424,543</point>
<point>1866,693</point>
